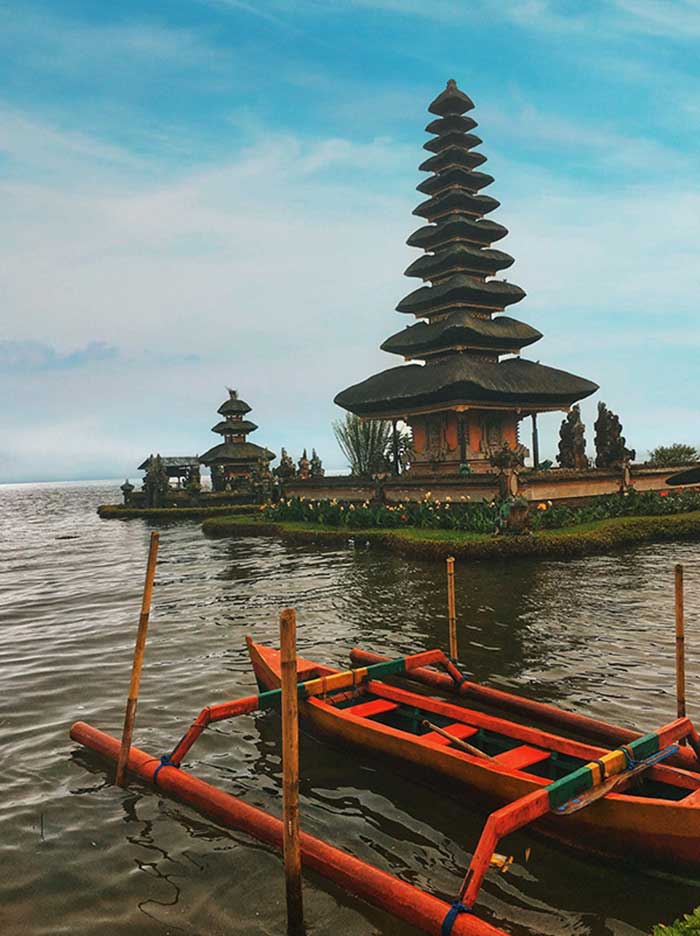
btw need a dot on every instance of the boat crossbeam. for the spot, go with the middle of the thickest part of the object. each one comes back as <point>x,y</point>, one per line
<point>320,685</point>
<point>577,790</point>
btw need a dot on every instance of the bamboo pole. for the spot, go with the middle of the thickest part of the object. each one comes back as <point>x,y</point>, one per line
<point>680,643</point>
<point>290,773</point>
<point>132,701</point>
<point>451,607</point>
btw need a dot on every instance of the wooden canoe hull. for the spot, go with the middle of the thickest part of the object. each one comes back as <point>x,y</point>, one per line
<point>651,831</point>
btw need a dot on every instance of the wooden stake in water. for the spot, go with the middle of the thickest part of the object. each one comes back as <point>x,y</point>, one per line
<point>451,607</point>
<point>680,643</point>
<point>132,701</point>
<point>290,772</point>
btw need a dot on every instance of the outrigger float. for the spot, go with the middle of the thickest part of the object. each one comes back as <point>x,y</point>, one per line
<point>622,803</point>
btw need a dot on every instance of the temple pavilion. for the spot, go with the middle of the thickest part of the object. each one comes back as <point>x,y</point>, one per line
<point>472,390</point>
<point>235,461</point>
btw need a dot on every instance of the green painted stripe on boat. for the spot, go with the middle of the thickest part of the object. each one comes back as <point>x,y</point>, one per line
<point>561,791</point>
<point>388,668</point>
<point>645,746</point>
<point>270,698</point>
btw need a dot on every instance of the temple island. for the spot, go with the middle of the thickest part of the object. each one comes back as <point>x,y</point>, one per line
<point>240,470</point>
<point>466,388</point>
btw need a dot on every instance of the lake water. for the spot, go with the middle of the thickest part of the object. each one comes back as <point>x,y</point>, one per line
<point>79,855</point>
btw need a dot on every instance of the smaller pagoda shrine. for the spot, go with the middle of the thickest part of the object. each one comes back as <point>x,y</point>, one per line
<point>236,464</point>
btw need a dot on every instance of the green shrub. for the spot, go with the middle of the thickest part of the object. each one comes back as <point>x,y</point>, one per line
<point>477,517</point>
<point>689,925</point>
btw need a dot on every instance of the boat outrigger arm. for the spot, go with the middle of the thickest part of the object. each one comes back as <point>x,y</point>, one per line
<point>613,772</point>
<point>403,900</point>
<point>319,686</point>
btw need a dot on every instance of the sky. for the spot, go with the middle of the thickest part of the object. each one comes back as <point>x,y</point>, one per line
<point>207,193</point>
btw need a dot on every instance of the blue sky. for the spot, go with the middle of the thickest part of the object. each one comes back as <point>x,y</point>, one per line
<point>203,193</point>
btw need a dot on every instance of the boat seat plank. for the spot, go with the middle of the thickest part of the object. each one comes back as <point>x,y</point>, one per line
<point>375,707</point>
<point>458,729</point>
<point>522,756</point>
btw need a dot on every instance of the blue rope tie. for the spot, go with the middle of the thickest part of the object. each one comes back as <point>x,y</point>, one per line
<point>164,762</point>
<point>452,914</point>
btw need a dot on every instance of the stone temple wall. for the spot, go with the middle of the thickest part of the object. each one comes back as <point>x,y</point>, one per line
<point>564,486</point>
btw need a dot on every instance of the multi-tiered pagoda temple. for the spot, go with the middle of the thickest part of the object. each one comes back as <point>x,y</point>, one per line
<point>468,397</point>
<point>235,461</point>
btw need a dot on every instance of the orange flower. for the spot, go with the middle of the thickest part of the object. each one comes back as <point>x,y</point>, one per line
<point>663,493</point>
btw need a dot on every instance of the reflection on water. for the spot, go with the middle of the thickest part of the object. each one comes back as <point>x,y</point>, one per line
<point>593,634</point>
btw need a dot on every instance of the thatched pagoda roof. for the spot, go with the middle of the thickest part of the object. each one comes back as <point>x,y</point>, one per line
<point>233,406</point>
<point>236,453</point>
<point>461,289</point>
<point>451,101</point>
<point>234,426</point>
<point>464,379</point>
<point>462,329</point>
<point>457,227</point>
<point>457,258</point>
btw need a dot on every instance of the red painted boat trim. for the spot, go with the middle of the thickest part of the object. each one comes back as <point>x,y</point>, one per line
<point>377,887</point>
<point>583,725</point>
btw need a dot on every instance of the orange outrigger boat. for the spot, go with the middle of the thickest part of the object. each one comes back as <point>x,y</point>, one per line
<point>644,810</point>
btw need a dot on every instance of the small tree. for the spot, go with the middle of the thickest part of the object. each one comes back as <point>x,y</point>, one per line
<point>572,441</point>
<point>666,456</point>
<point>611,451</point>
<point>365,443</point>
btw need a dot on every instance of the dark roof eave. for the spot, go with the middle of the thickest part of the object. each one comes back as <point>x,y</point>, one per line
<point>465,381</point>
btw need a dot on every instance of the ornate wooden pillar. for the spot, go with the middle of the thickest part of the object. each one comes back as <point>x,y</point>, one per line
<point>535,443</point>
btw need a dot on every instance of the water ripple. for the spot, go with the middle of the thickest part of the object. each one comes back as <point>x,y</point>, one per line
<point>592,634</point>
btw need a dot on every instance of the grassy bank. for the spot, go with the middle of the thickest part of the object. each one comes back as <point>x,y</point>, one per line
<point>119,512</point>
<point>583,539</point>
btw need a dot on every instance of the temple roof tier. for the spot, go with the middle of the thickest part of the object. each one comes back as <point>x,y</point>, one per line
<point>236,452</point>
<point>461,141</point>
<point>234,427</point>
<point>451,101</point>
<point>456,201</point>
<point>463,380</point>
<point>457,175</point>
<point>456,228</point>
<point>454,155</point>
<point>459,258</point>
<point>233,406</point>
<point>172,461</point>
<point>460,290</point>
<point>455,123</point>
<point>462,329</point>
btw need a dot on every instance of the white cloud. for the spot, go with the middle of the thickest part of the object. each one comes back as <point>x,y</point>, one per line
<point>279,271</point>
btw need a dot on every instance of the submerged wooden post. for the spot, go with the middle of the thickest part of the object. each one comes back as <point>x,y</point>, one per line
<point>290,772</point>
<point>680,643</point>
<point>451,606</point>
<point>132,701</point>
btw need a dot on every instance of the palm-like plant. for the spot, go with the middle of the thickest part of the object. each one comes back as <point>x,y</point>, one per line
<point>365,443</point>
